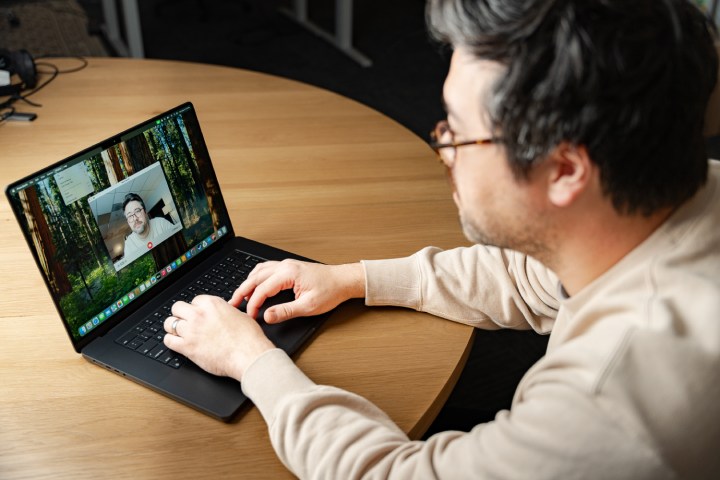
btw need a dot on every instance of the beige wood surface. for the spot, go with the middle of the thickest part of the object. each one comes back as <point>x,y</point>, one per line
<point>302,169</point>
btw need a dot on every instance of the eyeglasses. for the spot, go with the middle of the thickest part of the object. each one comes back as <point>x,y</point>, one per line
<point>134,214</point>
<point>448,151</point>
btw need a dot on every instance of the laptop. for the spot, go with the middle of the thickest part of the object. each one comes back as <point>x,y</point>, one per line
<point>113,280</point>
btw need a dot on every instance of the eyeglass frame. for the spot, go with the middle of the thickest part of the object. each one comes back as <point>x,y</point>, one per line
<point>437,146</point>
<point>134,213</point>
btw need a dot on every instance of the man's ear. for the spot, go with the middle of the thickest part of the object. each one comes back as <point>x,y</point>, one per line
<point>570,173</point>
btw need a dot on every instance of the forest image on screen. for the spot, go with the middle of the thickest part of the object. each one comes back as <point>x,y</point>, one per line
<point>66,234</point>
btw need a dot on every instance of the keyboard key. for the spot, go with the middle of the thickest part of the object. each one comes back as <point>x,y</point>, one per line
<point>157,351</point>
<point>176,362</point>
<point>146,347</point>
<point>166,356</point>
<point>147,334</point>
<point>127,338</point>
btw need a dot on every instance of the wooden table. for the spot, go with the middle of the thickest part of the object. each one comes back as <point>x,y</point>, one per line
<point>301,168</point>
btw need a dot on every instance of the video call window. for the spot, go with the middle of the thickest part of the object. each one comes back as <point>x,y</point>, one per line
<point>135,215</point>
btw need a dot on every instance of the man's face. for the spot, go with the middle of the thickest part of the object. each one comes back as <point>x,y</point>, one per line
<point>136,217</point>
<point>494,207</point>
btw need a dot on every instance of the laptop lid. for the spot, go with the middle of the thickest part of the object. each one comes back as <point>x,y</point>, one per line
<point>114,223</point>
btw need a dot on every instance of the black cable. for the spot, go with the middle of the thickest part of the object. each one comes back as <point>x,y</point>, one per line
<point>83,60</point>
<point>55,71</point>
<point>53,74</point>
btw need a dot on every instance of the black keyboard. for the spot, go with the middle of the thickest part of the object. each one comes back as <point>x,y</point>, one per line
<point>146,337</point>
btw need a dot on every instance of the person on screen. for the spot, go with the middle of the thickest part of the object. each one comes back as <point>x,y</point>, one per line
<point>574,144</point>
<point>146,232</point>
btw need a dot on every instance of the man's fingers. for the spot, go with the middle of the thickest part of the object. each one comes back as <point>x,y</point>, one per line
<point>171,325</point>
<point>176,344</point>
<point>269,288</point>
<point>237,297</point>
<point>280,313</point>
<point>301,307</point>
<point>181,309</point>
<point>259,274</point>
<point>245,288</point>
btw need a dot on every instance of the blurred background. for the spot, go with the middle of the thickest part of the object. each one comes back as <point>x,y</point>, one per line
<point>404,79</point>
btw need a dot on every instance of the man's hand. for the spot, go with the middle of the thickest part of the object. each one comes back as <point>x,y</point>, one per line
<point>318,288</point>
<point>215,335</point>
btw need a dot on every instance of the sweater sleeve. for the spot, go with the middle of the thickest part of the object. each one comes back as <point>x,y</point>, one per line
<point>485,287</point>
<point>555,431</point>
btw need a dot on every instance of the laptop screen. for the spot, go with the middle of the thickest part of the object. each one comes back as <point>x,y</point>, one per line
<point>111,223</point>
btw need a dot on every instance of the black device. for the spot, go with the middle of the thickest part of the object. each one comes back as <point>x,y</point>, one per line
<point>21,117</point>
<point>113,296</point>
<point>19,63</point>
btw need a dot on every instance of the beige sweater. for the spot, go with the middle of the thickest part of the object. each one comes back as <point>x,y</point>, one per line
<point>629,388</point>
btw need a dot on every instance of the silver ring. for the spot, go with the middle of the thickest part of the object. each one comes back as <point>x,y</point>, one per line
<point>173,327</point>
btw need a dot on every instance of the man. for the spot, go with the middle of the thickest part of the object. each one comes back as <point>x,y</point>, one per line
<point>146,232</point>
<point>574,143</point>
